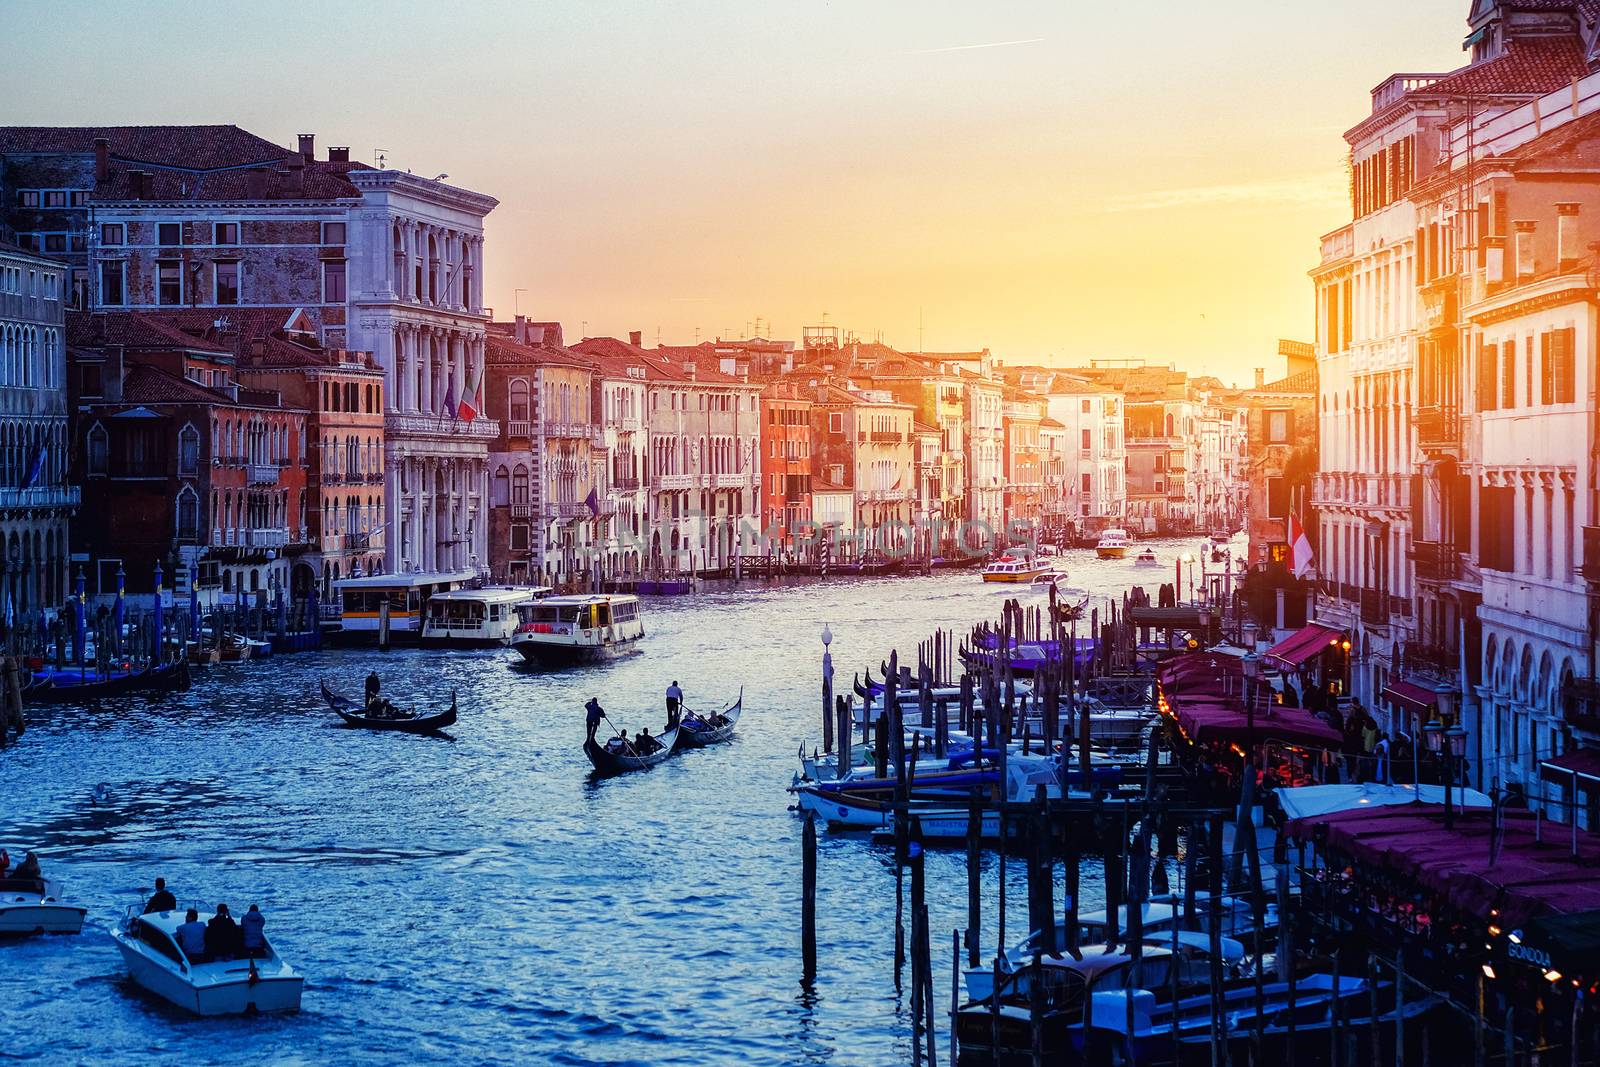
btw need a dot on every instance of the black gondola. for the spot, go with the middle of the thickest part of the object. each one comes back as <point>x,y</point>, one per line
<point>62,687</point>
<point>611,761</point>
<point>406,723</point>
<point>697,732</point>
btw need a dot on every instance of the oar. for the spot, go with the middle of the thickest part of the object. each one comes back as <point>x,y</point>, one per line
<point>615,732</point>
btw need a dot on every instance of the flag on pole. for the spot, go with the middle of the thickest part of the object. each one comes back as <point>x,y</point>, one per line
<point>593,500</point>
<point>449,401</point>
<point>469,396</point>
<point>1300,554</point>
<point>36,470</point>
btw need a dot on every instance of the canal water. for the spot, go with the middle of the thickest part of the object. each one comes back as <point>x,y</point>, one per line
<point>481,899</point>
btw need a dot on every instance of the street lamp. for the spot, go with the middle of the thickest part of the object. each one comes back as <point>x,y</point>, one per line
<point>1186,559</point>
<point>1433,734</point>
<point>1252,671</point>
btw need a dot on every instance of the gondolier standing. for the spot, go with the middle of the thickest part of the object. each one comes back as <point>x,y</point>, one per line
<point>596,713</point>
<point>674,703</point>
<point>372,688</point>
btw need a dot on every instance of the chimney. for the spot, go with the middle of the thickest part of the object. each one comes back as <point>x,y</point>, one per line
<point>535,335</point>
<point>521,330</point>
<point>338,153</point>
<point>308,147</point>
<point>297,174</point>
<point>1261,377</point>
<point>636,338</point>
<point>255,183</point>
<point>551,331</point>
<point>102,159</point>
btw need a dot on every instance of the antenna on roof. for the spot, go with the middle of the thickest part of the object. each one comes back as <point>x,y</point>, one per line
<point>658,334</point>
<point>516,301</point>
<point>380,156</point>
<point>697,335</point>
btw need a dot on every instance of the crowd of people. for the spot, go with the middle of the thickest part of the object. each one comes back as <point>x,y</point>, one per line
<point>219,939</point>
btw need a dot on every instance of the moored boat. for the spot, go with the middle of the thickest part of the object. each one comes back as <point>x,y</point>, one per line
<point>33,906</point>
<point>395,718</point>
<point>560,631</point>
<point>698,731</point>
<point>70,687</point>
<point>149,946</point>
<point>1114,543</point>
<point>478,618</point>
<point>618,755</point>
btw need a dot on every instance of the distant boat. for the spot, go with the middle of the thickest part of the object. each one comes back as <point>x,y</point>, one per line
<point>564,630</point>
<point>698,732</point>
<point>33,906</point>
<point>67,686</point>
<point>1147,558</point>
<point>403,722</point>
<point>1011,569</point>
<point>1113,544</point>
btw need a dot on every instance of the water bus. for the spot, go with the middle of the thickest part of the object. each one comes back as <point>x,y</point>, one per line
<point>479,618</point>
<point>1113,544</point>
<point>361,602</point>
<point>1011,569</point>
<point>560,631</point>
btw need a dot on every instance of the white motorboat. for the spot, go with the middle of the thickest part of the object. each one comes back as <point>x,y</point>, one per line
<point>1146,558</point>
<point>1113,544</point>
<point>1194,953</point>
<point>559,631</point>
<point>1043,583</point>
<point>33,906</point>
<point>206,987</point>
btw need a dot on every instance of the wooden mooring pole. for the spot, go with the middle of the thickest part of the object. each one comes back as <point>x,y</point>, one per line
<point>808,899</point>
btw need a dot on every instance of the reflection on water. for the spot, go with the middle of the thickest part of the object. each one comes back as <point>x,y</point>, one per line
<point>486,898</point>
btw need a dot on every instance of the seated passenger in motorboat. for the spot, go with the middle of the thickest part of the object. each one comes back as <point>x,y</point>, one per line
<point>192,937</point>
<point>222,936</point>
<point>28,868</point>
<point>161,900</point>
<point>251,935</point>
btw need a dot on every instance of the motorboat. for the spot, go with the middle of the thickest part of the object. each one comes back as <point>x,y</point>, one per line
<point>1146,558</point>
<point>1049,580</point>
<point>1012,569</point>
<point>560,631</point>
<point>478,618</point>
<point>1114,543</point>
<point>1194,952</point>
<point>34,906</point>
<point>149,947</point>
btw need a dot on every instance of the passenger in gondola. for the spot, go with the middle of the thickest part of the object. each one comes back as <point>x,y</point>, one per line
<point>372,689</point>
<point>644,743</point>
<point>595,715</point>
<point>222,935</point>
<point>618,743</point>
<point>251,935</point>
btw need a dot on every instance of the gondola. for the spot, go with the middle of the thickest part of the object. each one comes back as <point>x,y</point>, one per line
<point>65,686</point>
<point>700,735</point>
<point>414,724</point>
<point>608,762</point>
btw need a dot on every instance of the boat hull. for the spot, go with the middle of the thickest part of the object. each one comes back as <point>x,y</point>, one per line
<point>237,997</point>
<point>553,654</point>
<point>1111,551</point>
<point>607,762</point>
<point>691,738</point>
<point>25,919</point>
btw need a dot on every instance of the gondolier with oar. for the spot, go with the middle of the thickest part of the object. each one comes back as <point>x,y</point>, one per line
<point>596,714</point>
<point>674,704</point>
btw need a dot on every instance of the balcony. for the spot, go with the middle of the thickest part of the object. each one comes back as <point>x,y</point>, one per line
<point>1439,299</point>
<point>437,426</point>
<point>1374,607</point>
<point>570,509</point>
<point>1398,86</point>
<point>1591,555</point>
<point>673,481</point>
<point>517,428</point>
<point>566,429</point>
<point>1435,661</point>
<point>883,496</point>
<point>626,483</point>
<point>43,496</point>
<point>1438,427</point>
<point>263,474</point>
<point>1436,561</point>
<point>597,436</point>
<point>522,511</point>
<point>730,481</point>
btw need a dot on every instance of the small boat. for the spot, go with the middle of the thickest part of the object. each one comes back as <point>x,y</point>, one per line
<point>33,906</point>
<point>68,686</point>
<point>222,987</point>
<point>695,731</point>
<point>1113,544</point>
<point>1011,569</point>
<point>1049,580</point>
<point>404,721</point>
<point>1146,558</point>
<point>618,757</point>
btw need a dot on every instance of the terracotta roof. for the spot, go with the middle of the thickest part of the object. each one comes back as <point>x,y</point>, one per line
<point>504,351</point>
<point>1536,65</point>
<point>1304,382</point>
<point>1052,424</point>
<point>617,353</point>
<point>134,329</point>
<point>822,485</point>
<point>189,147</point>
<point>917,426</point>
<point>1573,143</point>
<point>318,180</point>
<point>707,362</point>
<point>145,384</point>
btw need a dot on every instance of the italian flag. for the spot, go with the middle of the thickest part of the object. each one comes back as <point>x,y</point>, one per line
<point>469,407</point>
<point>1300,554</point>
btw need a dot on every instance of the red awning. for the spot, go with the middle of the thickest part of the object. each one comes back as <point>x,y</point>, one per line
<point>1410,696</point>
<point>1583,763</point>
<point>1301,645</point>
<point>1228,723</point>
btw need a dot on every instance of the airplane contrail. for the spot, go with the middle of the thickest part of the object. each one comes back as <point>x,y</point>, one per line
<point>969,47</point>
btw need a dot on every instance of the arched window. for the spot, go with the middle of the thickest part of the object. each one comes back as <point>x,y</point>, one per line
<point>399,263</point>
<point>501,490</point>
<point>99,450</point>
<point>519,485</point>
<point>519,400</point>
<point>188,451</point>
<point>188,515</point>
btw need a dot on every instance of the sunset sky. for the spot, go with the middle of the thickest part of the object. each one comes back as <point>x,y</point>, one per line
<point>1053,179</point>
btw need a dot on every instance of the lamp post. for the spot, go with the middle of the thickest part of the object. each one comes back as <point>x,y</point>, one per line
<point>827,691</point>
<point>1187,559</point>
<point>1433,733</point>
<point>1252,670</point>
<point>1455,745</point>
